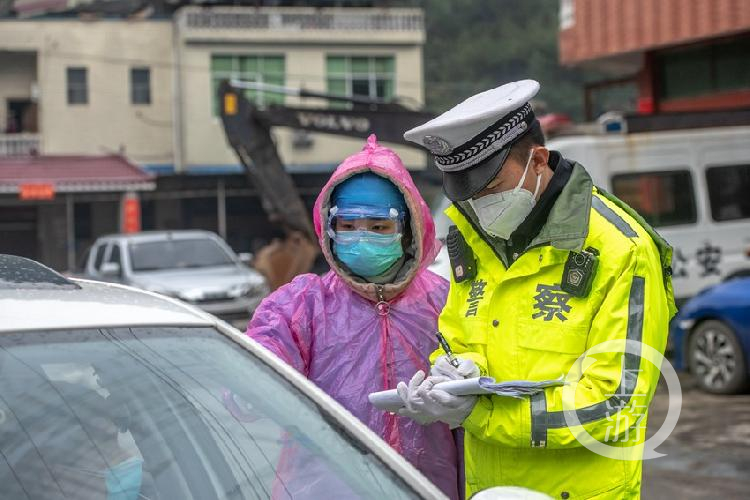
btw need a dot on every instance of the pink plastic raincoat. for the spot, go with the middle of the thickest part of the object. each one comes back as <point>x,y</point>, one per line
<point>353,338</point>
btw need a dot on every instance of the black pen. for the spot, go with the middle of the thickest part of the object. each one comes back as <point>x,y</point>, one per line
<point>447,348</point>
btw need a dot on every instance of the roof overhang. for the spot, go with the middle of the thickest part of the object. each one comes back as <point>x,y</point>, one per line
<point>74,174</point>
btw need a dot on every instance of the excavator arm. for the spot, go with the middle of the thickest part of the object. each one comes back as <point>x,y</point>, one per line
<point>248,131</point>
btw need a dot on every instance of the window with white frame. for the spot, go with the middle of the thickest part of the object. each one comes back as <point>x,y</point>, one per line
<point>361,76</point>
<point>78,88</point>
<point>140,85</point>
<point>249,68</point>
<point>567,14</point>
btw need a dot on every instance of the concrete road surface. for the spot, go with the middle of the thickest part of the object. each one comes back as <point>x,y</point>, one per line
<point>708,454</point>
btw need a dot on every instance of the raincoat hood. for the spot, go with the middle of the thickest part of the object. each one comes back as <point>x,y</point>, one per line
<point>385,162</point>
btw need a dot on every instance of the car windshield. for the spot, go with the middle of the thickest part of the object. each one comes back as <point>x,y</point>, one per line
<point>164,413</point>
<point>173,254</point>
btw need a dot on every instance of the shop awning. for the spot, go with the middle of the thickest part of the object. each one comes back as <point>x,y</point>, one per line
<point>72,174</point>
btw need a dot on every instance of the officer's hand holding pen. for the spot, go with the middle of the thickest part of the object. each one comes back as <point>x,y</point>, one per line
<point>451,367</point>
<point>447,349</point>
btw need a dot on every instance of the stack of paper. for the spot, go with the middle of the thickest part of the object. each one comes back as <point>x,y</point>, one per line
<point>516,388</point>
<point>390,400</point>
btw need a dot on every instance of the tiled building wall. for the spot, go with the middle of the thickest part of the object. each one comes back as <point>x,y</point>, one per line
<point>604,28</point>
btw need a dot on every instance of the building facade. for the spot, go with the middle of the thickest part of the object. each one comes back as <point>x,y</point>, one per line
<point>677,55</point>
<point>75,80</point>
<point>367,52</point>
<point>145,89</point>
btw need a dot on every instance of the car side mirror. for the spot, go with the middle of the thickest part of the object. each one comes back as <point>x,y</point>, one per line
<point>246,258</point>
<point>110,269</point>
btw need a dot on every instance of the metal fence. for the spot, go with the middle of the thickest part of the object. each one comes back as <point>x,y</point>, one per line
<point>19,144</point>
<point>273,19</point>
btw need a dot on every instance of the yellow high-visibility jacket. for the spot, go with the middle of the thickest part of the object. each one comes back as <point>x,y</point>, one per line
<point>516,323</point>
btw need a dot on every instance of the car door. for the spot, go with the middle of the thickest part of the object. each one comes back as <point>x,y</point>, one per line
<point>666,198</point>
<point>727,239</point>
<point>115,257</point>
<point>107,256</point>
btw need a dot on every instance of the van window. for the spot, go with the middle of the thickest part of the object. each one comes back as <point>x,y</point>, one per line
<point>728,188</point>
<point>662,198</point>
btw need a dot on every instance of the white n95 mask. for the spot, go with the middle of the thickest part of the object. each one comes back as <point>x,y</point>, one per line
<point>501,213</point>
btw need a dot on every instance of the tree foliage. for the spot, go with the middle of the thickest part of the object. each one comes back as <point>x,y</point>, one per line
<point>474,45</point>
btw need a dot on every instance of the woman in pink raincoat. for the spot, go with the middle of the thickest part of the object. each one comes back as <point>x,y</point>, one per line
<point>371,320</point>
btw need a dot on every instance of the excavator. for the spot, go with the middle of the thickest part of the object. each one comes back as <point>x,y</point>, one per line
<point>248,131</point>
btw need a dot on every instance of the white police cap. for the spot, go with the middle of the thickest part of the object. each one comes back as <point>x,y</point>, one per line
<point>471,141</point>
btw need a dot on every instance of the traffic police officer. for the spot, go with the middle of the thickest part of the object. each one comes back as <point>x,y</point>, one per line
<point>545,266</point>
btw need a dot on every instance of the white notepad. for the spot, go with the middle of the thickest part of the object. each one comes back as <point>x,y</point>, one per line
<point>390,401</point>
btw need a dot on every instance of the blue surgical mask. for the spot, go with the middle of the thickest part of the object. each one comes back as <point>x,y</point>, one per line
<point>124,480</point>
<point>370,255</point>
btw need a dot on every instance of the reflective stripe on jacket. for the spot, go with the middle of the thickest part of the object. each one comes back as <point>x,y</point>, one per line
<point>517,324</point>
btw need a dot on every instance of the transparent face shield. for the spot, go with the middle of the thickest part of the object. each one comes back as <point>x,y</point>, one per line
<point>375,225</point>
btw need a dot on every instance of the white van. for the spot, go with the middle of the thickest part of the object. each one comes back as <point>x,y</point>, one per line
<point>692,185</point>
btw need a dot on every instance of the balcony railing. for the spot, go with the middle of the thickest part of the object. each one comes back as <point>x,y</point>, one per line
<point>304,19</point>
<point>19,144</point>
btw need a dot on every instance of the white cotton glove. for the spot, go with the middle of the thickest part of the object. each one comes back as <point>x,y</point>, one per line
<point>448,408</point>
<point>444,368</point>
<point>414,405</point>
<point>425,404</point>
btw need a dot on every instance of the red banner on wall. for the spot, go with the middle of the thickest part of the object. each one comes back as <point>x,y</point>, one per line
<point>131,214</point>
<point>36,191</point>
